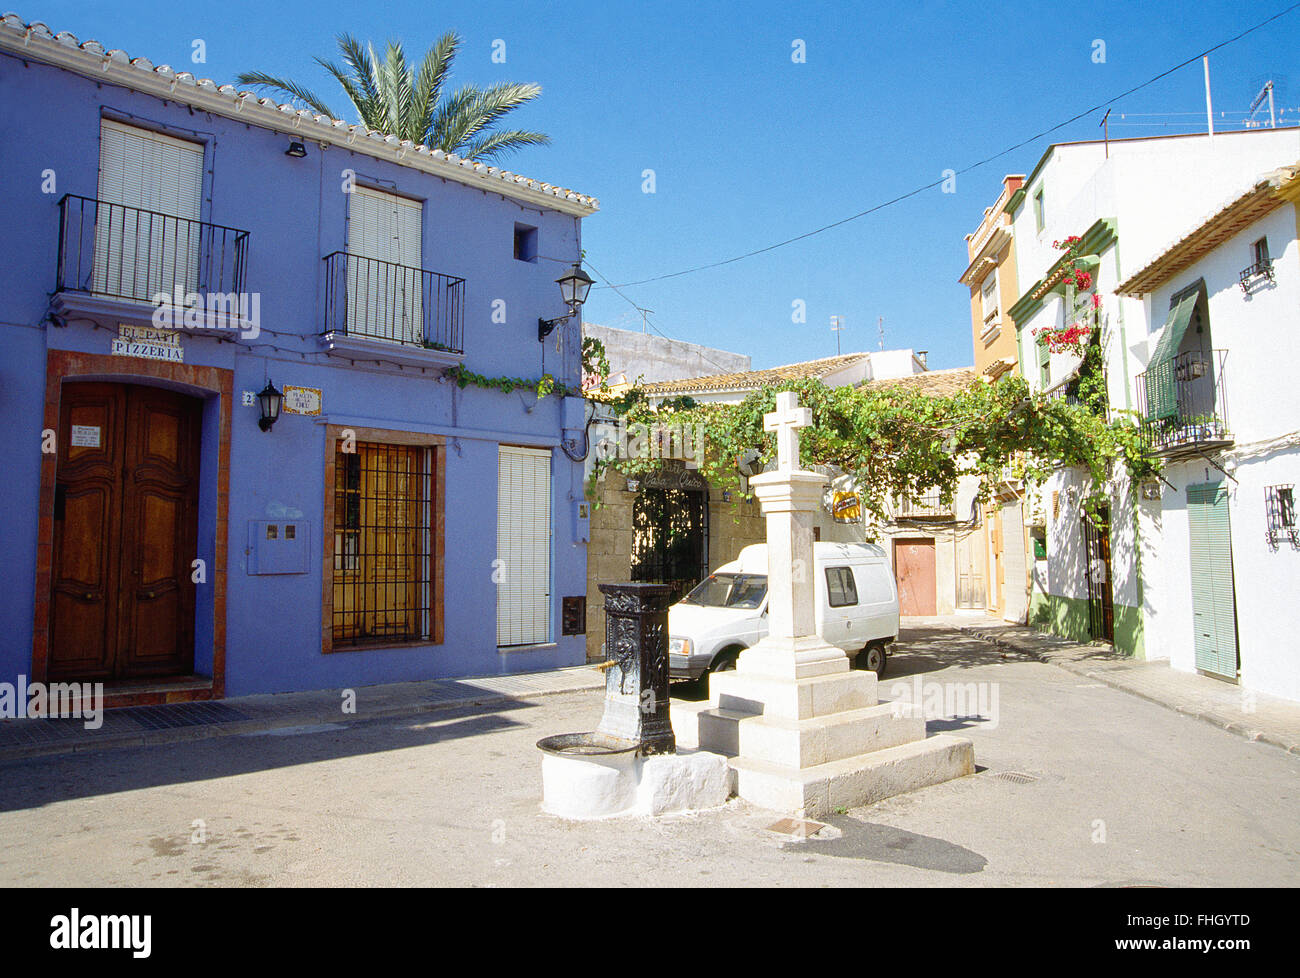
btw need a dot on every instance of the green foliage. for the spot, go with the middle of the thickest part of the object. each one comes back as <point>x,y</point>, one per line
<point>898,442</point>
<point>401,101</point>
<point>542,387</point>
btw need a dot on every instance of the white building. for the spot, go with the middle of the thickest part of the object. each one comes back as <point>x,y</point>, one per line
<point>1140,192</point>
<point>1219,545</point>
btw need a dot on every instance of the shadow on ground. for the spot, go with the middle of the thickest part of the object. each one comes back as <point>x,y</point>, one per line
<point>920,649</point>
<point>37,781</point>
<point>888,844</point>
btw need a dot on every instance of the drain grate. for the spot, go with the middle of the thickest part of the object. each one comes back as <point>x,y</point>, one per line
<point>1016,777</point>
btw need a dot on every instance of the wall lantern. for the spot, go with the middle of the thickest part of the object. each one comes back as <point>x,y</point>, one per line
<point>296,149</point>
<point>270,401</point>
<point>574,286</point>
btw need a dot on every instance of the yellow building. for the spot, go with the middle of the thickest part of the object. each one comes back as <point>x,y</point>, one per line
<point>991,278</point>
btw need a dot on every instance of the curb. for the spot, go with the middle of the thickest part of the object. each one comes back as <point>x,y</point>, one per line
<point>1078,667</point>
<point>180,735</point>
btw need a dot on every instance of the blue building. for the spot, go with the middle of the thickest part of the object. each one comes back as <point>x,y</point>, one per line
<point>163,533</point>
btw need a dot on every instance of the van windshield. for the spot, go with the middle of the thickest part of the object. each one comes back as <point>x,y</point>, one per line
<point>729,591</point>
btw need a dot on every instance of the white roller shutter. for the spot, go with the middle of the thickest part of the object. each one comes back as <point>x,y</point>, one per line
<point>385,301</point>
<point>155,247</point>
<point>524,546</point>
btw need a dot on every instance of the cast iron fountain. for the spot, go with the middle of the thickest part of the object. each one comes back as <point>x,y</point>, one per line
<point>629,763</point>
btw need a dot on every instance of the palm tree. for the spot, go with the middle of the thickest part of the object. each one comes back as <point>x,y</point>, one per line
<point>399,101</point>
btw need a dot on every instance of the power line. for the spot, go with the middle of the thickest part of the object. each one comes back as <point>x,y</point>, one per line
<point>966,169</point>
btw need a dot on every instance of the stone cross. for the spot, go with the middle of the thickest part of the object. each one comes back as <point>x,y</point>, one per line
<point>786,421</point>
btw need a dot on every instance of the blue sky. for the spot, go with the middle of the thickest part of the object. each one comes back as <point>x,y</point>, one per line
<point>749,148</point>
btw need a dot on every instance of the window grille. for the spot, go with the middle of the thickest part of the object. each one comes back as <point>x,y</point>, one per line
<point>383,557</point>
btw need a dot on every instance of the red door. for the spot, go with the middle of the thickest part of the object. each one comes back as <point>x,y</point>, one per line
<point>125,533</point>
<point>914,572</point>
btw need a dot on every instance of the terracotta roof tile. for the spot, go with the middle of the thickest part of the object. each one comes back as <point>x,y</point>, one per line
<point>936,383</point>
<point>753,379</point>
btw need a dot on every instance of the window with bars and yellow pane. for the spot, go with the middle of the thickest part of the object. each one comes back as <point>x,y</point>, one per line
<point>383,556</point>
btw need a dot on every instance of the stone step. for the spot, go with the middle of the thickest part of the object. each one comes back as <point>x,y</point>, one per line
<point>794,699</point>
<point>862,780</point>
<point>685,716</point>
<point>818,740</point>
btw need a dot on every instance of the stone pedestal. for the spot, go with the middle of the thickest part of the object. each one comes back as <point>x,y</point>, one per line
<point>805,733</point>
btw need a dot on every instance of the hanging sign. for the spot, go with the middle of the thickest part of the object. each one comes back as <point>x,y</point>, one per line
<point>846,507</point>
<point>301,400</point>
<point>147,343</point>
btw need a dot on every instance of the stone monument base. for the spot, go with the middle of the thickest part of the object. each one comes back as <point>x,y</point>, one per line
<point>806,734</point>
<point>605,786</point>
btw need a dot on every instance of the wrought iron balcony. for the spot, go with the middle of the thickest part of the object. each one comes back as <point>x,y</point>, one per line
<point>1185,404</point>
<point>929,507</point>
<point>1261,270</point>
<point>121,252</point>
<point>381,300</point>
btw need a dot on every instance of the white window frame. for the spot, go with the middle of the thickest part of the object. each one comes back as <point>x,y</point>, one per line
<point>992,322</point>
<point>384,302</point>
<point>138,255</point>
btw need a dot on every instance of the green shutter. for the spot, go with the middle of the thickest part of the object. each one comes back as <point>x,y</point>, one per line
<point>1162,395</point>
<point>1214,612</point>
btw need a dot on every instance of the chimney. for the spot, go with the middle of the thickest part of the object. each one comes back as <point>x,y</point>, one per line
<point>920,358</point>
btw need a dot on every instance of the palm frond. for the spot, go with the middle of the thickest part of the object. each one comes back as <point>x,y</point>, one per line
<point>433,73</point>
<point>288,87</point>
<point>495,145</point>
<point>360,61</point>
<point>366,109</point>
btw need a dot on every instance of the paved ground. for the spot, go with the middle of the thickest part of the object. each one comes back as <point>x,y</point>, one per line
<point>1081,784</point>
<point>1254,716</point>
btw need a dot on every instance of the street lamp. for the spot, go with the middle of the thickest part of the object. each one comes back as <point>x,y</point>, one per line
<point>574,286</point>
<point>270,401</point>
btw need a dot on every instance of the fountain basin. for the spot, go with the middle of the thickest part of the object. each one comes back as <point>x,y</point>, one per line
<point>593,775</point>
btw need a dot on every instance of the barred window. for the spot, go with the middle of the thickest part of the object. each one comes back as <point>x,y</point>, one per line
<point>383,558</point>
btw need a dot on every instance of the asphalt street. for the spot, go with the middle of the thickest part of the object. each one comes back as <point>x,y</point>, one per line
<point>1079,784</point>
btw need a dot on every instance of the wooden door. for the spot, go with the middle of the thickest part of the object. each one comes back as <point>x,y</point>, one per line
<point>125,533</point>
<point>914,570</point>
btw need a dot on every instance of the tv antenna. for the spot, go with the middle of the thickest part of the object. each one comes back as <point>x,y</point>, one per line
<point>837,324</point>
<point>880,325</point>
<point>1264,93</point>
<point>644,313</point>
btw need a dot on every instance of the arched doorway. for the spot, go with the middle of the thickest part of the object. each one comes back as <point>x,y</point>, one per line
<point>670,529</point>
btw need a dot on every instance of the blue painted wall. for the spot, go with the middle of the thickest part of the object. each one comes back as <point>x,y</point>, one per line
<point>295,211</point>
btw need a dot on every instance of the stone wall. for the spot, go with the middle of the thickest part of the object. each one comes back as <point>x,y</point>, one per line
<point>732,526</point>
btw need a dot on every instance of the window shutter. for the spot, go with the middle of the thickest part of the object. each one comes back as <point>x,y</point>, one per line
<point>1161,392</point>
<point>524,546</point>
<point>154,247</point>
<point>385,295</point>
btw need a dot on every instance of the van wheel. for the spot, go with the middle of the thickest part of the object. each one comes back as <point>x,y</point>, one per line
<point>872,658</point>
<point>725,660</point>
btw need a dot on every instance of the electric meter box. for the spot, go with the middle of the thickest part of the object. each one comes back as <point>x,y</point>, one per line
<point>278,546</point>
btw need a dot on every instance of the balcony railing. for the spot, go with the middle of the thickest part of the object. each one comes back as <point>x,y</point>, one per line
<point>1185,404</point>
<point>929,507</point>
<point>122,252</point>
<point>381,300</point>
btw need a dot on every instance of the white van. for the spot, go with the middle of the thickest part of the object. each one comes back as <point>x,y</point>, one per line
<point>726,613</point>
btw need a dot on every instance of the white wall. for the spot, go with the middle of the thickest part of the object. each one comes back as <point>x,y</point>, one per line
<point>1261,335</point>
<point>654,358</point>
